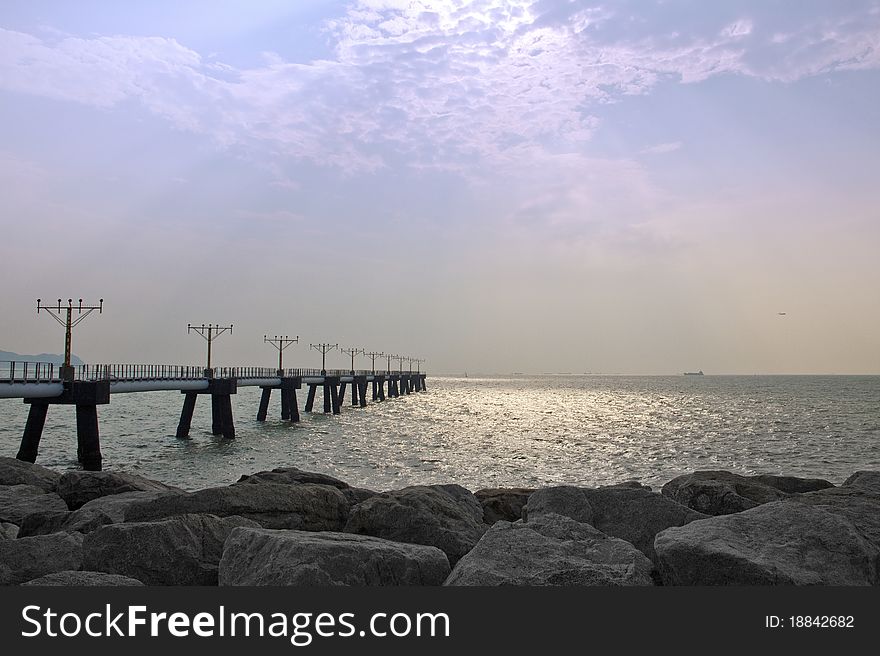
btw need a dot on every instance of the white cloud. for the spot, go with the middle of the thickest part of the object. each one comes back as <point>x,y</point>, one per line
<point>451,85</point>
<point>659,149</point>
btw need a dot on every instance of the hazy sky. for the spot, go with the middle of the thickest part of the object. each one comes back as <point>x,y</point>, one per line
<point>495,186</point>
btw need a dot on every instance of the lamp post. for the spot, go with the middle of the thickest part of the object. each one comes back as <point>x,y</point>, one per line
<point>63,314</point>
<point>281,343</point>
<point>209,333</point>
<point>324,349</point>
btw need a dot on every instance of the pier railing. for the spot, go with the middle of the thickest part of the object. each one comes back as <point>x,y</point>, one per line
<point>46,372</point>
<point>28,372</point>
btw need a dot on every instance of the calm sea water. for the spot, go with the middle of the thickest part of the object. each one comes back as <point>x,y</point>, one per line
<point>500,431</point>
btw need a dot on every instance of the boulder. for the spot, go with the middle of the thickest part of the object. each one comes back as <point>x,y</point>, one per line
<point>27,558</point>
<point>293,476</point>
<point>8,531</point>
<point>864,480</point>
<point>720,492</point>
<point>71,577</point>
<point>565,500</point>
<point>43,522</point>
<point>551,549</point>
<point>18,501</point>
<point>503,503</point>
<point>304,507</point>
<point>356,495</point>
<point>796,541</point>
<point>18,472</point>
<point>448,517</point>
<point>636,514</point>
<point>792,484</point>
<point>270,557</point>
<point>79,487</point>
<point>183,550</point>
<point>96,513</point>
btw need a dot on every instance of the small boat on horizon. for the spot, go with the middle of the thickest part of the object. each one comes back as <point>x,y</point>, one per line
<point>694,373</point>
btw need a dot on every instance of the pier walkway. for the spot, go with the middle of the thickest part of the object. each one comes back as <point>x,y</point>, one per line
<point>42,384</point>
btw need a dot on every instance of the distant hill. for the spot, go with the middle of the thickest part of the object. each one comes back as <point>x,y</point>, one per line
<point>42,357</point>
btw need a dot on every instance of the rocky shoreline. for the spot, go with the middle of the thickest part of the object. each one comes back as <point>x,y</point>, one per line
<point>291,527</point>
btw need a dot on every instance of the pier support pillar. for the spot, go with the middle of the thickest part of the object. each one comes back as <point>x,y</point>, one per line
<point>327,399</point>
<point>264,404</point>
<point>381,387</point>
<point>33,431</point>
<point>294,409</point>
<point>310,399</point>
<point>361,384</point>
<point>334,397</point>
<point>285,405</point>
<point>186,415</point>
<point>216,415</point>
<point>87,439</point>
<point>354,392</point>
<point>342,393</point>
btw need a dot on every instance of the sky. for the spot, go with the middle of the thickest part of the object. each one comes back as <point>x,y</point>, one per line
<point>633,187</point>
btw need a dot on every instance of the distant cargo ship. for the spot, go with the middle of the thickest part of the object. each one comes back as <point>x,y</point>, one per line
<point>694,373</point>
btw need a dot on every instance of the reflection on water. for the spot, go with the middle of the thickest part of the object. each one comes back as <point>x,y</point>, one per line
<point>520,430</point>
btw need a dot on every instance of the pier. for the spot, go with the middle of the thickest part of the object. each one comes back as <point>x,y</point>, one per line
<point>87,386</point>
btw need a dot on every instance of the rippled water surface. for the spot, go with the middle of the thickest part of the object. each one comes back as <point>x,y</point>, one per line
<point>483,432</point>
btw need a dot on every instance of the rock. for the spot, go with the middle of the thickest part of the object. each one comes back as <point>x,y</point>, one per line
<point>79,487</point>
<point>864,480</point>
<point>183,550</point>
<point>503,503</point>
<point>18,472</point>
<point>565,500</point>
<point>551,549</point>
<point>293,476</point>
<point>29,557</point>
<point>856,505</point>
<point>8,531</point>
<point>789,542</point>
<point>96,513</point>
<point>268,557</point>
<point>305,507</point>
<point>71,577</point>
<point>792,484</point>
<point>356,495</point>
<point>17,501</point>
<point>720,492</point>
<point>448,517</point>
<point>627,484</point>
<point>636,514</point>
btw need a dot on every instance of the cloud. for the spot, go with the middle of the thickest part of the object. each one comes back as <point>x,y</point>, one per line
<point>457,85</point>
<point>660,149</point>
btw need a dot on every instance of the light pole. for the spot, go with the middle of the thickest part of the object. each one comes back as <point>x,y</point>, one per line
<point>352,352</point>
<point>324,349</point>
<point>209,333</point>
<point>280,343</point>
<point>69,323</point>
<point>373,356</point>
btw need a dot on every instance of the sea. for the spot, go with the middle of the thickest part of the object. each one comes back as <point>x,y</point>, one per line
<point>497,431</point>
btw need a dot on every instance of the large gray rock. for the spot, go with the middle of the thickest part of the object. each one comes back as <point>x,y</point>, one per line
<point>83,579</point>
<point>27,558</point>
<point>565,500</point>
<point>792,484</point>
<point>293,476</point>
<point>636,514</point>
<point>503,503</point>
<point>18,501</point>
<point>807,540</point>
<point>864,480</point>
<point>96,513</point>
<point>305,507</point>
<point>79,487</point>
<point>551,549</point>
<point>448,517</point>
<point>722,492</point>
<point>183,550</point>
<point>18,472</point>
<point>269,557</point>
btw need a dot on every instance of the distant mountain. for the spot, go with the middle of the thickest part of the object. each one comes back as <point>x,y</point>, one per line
<point>42,357</point>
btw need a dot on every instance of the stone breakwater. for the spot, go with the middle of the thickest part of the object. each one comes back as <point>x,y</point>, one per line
<point>292,527</point>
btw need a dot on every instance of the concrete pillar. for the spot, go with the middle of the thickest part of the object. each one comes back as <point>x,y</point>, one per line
<point>285,405</point>
<point>294,409</point>
<point>264,405</point>
<point>327,399</point>
<point>33,431</point>
<point>88,441</point>
<point>186,415</point>
<point>310,399</point>
<point>363,395</point>
<point>337,403</point>
<point>354,392</point>
<point>228,427</point>
<point>216,414</point>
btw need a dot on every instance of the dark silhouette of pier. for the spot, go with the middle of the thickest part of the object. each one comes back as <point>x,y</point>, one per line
<point>88,386</point>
